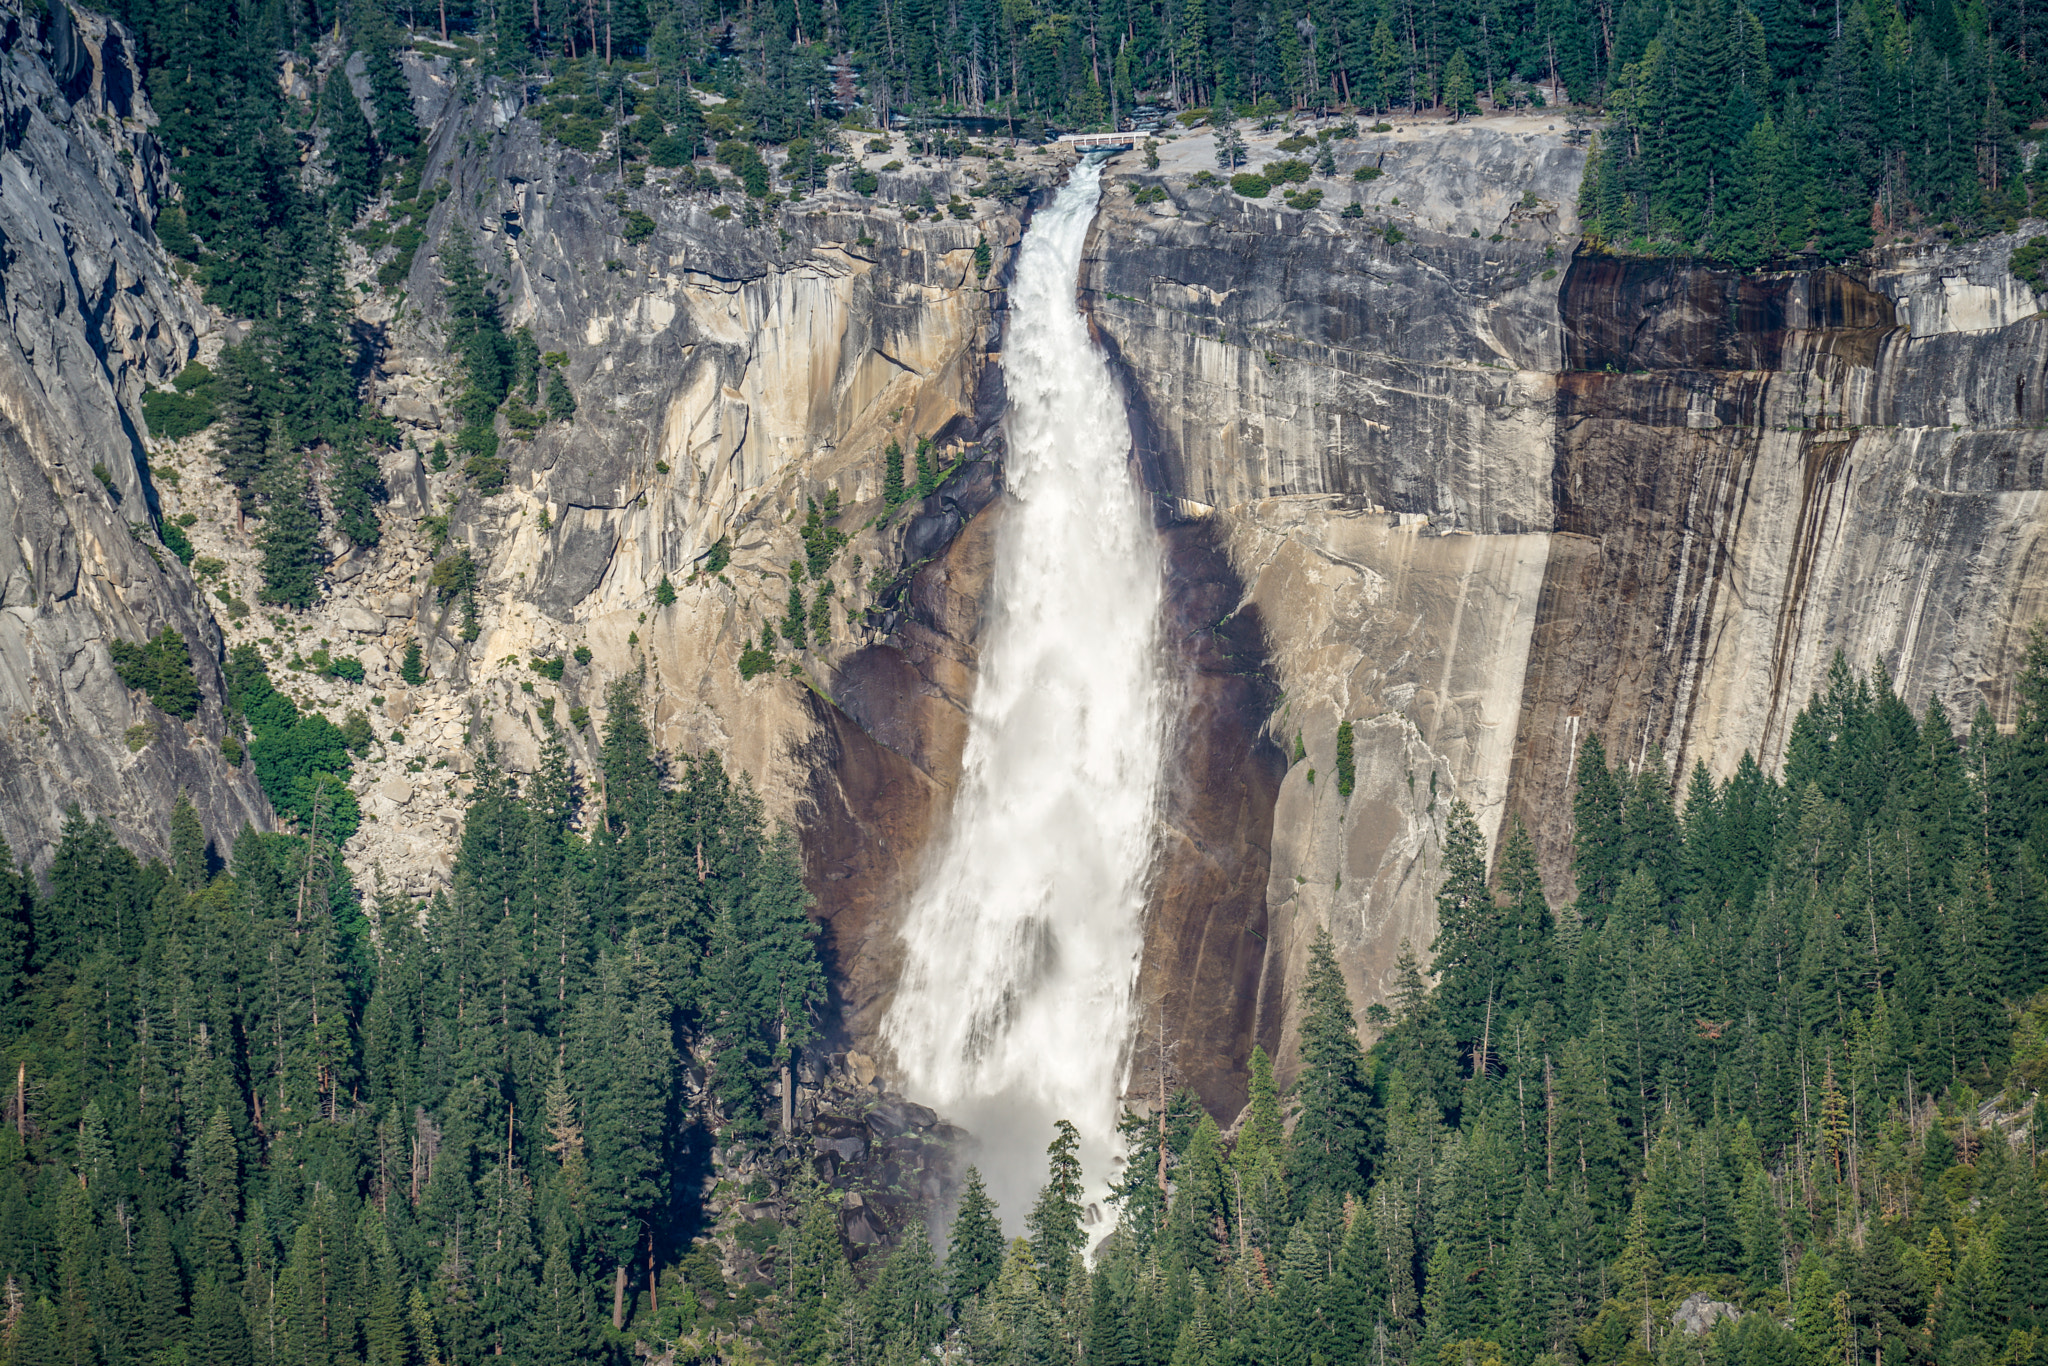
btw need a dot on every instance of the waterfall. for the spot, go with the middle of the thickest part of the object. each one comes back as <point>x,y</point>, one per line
<point>1022,942</point>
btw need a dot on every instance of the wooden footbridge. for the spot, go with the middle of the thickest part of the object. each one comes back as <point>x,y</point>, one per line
<point>1100,142</point>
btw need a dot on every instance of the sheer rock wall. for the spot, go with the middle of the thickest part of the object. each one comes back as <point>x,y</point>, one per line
<point>1490,495</point>
<point>93,311</point>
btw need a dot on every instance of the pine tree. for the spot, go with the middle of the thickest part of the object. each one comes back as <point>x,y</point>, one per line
<point>1331,1146</point>
<point>1460,95</point>
<point>2023,1247</point>
<point>398,129</point>
<point>1971,1305</point>
<point>164,1322</point>
<point>1972,945</point>
<point>1761,1230</point>
<point>1531,1299</point>
<point>1885,1305</point>
<point>1467,949</point>
<point>290,539</point>
<point>1109,1341</point>
<point>812,1278</point>
<point>761,980</point>
<point>1754,225</point>
<point>246,386</point>
<point>1196,1343</point>
<point>975,1257</point>
<point>623,1070</point>
<point>387,1331</point>
<point>1262,1132</point>
<point>1596,812</point>
<point>1018,1323</point>
<point>1638,1276</point>
<point>1355,1300</point>
<point>1833,1137</point>
<point>351,152</point>
<point>220,1333</point>
<point>1196,1228</point>
<point>314,354</point>
<point>1529,970</point>
<point>355,486</point>
<point>1388,66</point>
<point>188,855</point>
<point>1229,142</point>
<point>910,1294</point>
<point>892,474</point>
<point>215,1196</point>
<point>17,914</point>
<point>1055,1220</point>
<point>1820,1314</point>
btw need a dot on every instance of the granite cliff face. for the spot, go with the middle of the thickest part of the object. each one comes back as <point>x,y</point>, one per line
<point>728,375</point>
<point>1770,470</point>
<point>93,313</point>
<point>1430,470</point>
<point>1359,414</point>
<point>1489,496</point>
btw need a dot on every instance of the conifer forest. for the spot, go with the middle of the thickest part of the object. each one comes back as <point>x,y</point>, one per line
<point>1759,1083</point>
<point>1774,1063</point>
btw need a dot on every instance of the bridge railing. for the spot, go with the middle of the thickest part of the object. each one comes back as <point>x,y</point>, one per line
<point>1089,142</point>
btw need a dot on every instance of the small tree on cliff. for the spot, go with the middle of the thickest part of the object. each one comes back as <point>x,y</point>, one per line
<point>1229,142</point>
<point>892,474</point>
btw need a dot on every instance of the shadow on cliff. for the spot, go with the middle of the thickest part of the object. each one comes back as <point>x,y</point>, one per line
<point>1207,981</point>
<point>1661,413</point>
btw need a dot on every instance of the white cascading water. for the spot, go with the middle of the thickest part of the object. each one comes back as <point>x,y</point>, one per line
<point>1015,1003</point>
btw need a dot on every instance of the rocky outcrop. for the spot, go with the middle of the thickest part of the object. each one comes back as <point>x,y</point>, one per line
<point>94,312</point>
<point>731,369</point>
<point>887,1160</point>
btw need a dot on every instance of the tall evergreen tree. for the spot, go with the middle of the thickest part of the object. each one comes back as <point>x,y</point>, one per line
<point>1055,1219</point>
<point>1331,1149</point>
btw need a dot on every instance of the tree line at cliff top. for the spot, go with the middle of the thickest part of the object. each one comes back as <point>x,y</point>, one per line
<point>1779,1052</point>
<point>1737,130</point>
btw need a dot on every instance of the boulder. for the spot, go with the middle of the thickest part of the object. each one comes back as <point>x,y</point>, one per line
<point>845,1149</point>
<point>888,1119</point>
<point>360,620</point>
<point>1699,1312</point>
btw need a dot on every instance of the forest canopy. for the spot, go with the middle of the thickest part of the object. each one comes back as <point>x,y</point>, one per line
<point>1761,1090</point>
